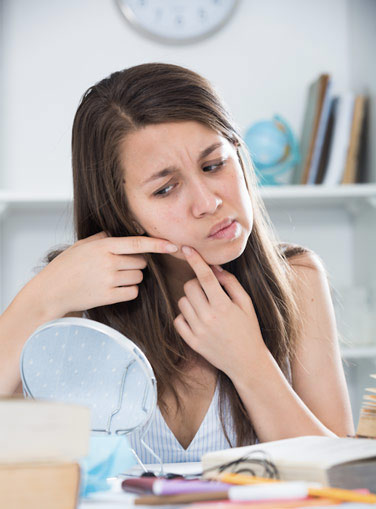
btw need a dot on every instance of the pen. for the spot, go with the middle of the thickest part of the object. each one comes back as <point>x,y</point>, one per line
<point>279,491</point>
<point>138,484</point>
<point>171,486</point>
<point>175,487</point>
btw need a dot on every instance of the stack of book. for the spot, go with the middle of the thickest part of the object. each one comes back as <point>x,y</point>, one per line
<point>40,444</point>
<point>367,419</point>
<point>332,141</point>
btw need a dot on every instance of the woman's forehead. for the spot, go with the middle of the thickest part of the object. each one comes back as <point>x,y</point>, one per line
<point>155,146</point>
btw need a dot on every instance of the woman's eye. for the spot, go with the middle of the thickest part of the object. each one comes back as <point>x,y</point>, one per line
<point>213,167</point>
<point>165,190</point>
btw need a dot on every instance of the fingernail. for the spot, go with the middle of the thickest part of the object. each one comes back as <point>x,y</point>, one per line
<point>218,267</point>
<point>186,250</point>
<point>171,248</point>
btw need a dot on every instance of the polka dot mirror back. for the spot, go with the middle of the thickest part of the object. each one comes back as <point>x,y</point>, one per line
<point>85,362</point>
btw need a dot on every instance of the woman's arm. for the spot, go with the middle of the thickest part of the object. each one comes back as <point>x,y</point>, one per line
<point>25,314</point>
<point>317,371</point>
<point>95,271</point>
<point>220,330</point>
<point>318,402</point>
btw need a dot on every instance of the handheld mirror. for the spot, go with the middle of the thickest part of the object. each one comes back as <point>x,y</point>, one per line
<point>81,361</point>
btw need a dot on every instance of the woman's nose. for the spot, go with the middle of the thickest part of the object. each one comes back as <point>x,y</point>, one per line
<point>205,200</point>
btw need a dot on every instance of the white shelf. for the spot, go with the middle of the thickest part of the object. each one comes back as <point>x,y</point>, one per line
<point>359,352</point>
<point>12,200</point>
<point>273,195</point>
<point>313,195</point>
<point>24,197</point>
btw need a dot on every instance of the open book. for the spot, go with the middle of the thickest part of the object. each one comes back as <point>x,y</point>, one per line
<point>337,462</point>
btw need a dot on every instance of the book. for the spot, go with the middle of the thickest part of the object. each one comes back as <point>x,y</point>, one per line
<point>352,160</point>
<point>36,430</point>
<point>327,142</point>
<point>40,444</point>
<point>336,462</point>
<point>367,419</point>
<point>318,143</point>
<point>311,121</point>
<point>343,115</point>
<point>39,485</point>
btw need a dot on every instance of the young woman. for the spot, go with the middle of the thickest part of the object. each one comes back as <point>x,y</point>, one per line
<point>174,250</point>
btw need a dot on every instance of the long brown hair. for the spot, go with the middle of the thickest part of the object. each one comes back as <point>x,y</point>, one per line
<point>127,101</point>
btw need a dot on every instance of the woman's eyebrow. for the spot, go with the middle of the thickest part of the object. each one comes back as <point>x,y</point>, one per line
<point>162,173</point>
<point>172,169</point>
<point>209,149</point>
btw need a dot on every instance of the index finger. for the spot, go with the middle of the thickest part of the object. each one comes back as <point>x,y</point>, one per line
<point>91,238</point>
<point>139,244</point>
<point>205,275</point>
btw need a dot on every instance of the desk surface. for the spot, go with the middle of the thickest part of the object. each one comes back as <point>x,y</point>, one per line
<point>118,498</point>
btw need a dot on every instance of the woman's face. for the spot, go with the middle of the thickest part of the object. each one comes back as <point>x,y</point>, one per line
<point>182,181</point>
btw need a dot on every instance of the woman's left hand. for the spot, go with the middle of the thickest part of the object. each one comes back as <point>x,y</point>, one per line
<point>221,327</point>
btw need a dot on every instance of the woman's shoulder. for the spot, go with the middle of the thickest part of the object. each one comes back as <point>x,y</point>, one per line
<point>300,257</point>
<point>308,275</point>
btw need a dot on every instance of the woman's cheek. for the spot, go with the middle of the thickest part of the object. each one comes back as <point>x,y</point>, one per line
<point>169,230</point>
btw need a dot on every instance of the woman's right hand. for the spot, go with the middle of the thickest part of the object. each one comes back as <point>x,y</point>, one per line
<point>96,271</point>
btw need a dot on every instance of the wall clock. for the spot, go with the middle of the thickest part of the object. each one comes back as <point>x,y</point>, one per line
<point>177,21</point>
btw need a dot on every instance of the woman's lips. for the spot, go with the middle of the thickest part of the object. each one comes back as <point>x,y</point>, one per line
<point>228,232</point>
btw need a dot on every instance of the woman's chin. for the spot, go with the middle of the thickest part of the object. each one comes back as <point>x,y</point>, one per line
<point>224,255</point>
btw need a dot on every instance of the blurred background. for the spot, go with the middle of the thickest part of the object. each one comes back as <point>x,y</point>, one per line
<point>310,62</point>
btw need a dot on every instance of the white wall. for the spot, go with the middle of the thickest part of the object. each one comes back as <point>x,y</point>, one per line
<point>362,45</point>
<point>52,51</point>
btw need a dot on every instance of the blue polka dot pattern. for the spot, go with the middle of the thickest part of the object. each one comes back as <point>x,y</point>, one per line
<point>81,361</point>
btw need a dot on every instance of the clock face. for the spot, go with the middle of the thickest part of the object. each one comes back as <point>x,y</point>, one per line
<point>177,21</point>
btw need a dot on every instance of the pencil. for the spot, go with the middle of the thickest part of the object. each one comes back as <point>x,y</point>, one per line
<point>332,493</point>
<point>183,498</point>
<point>242,479</point>
<point>343,495</point>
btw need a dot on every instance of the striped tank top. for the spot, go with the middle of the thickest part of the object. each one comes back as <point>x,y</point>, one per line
<point>209,437</point>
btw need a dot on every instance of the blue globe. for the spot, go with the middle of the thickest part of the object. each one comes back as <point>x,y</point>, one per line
<point>274,150</point>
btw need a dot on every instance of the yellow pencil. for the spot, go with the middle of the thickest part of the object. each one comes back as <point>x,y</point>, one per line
<point>243,479</point>
<point>332,493</point>
<point>343,495</point>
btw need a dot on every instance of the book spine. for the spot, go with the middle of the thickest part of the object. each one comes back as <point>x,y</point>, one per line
<point>351,167</point>
<point>340,142</point>
<point>324,117</point>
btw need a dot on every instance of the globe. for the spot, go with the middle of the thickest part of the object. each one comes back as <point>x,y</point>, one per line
<point>274,150</point>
